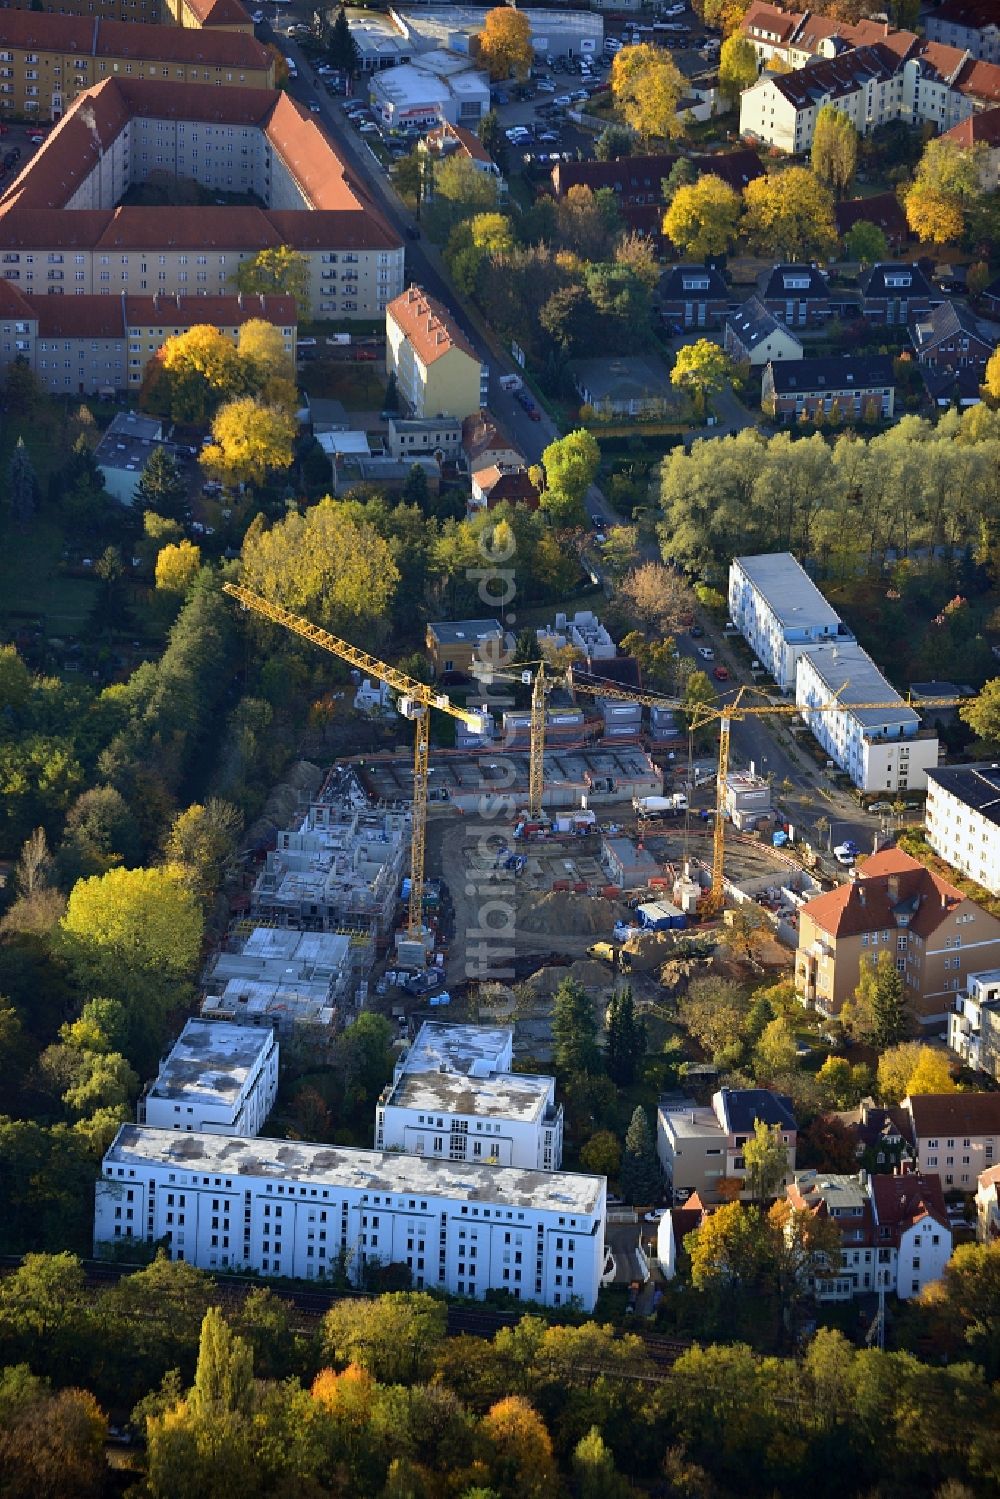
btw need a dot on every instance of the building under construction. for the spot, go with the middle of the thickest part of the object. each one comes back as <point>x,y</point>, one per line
<point>272,976</point>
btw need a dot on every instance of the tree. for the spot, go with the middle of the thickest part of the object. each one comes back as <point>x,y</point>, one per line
<point>602,1154</point>
<point>50,1443</point>
<point>22,484</point>
<point>967,1300</point>
<point>703,217</point>
<point>594,1468</point>
<point>932,1074</point>
<point>934,216</point>
<point>834,149</point>
<point>982,714</point>
<point>249,441</point>
<point>876,1009</point>
<point>517,1450</point>
<point>766,1158</point>
<point>738,66</point>
<point>805,1246</point>
<point>775,1051</point>
<point>202,841</point>
<point>977,278</point>
<point>279,270</point>
<point>626,1044</point>
<point>161,488</point>
<point>729,1249</point>
<point>571,465</point>
<point>647,87</point>
<point>991,376</point>
<point>394,1338</point>
<point>574,1030</point>
<point>223,1381</point>
<point>614,142</point>
<point>270,369</point>
<point>790,214</point>
<point>504,44</point>
<point>947,189</point>
<point>342,51</point>
<point>683,173</point>
<point>203,367</point>
<point>330,564</point>
<point>911,1067</point>
<point>640,1173</point>
<point>21,387</point>
<point>745,930</point>
<point>460,191</point>
<point>659,596</point>
<point>177,567</point>
<point>702,369</point>
<point>866,243</point>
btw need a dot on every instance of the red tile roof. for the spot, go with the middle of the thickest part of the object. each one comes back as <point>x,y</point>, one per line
<point>86,36</point>
<point>865,904</point>
<point>769,18</point>
<point>80,317</point>
<point>951,1114</point>
<point>428,325</point>
<point>223,311</point>
<point>902,1200</point>
<point>12,303</point>
<point>984,126</point>
<point>219,12</point>
<point>980,80</point>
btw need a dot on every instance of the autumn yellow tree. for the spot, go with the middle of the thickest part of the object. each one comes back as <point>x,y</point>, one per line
<point>249,441</point>
<point>702,369</point>
<point>505,43</point>
<point>991,377</point>
<point>279,270</point>
<point>659,597</point>
<point>790,213</point>
<point>947,187</point>
<point>268,364</point>
<point>518,1449</point>
<point>738,66</point>
<point>197,370</point>
<point>912,1067</point>
<point>328,564</point>
<point>177,566</point>
<point>647,87</point>
<point>703,217</point>
<point>834,149</point>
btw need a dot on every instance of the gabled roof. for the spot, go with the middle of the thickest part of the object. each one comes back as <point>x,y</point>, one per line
<point>645,174</point>
<point>773,285</point>
<point>945,321</point>
<point>753,324</point>
<point>481,436</point>
<point>13,304</point>
<point>982,126</point>
<point>951,1114</point>
<point>884,209</point>
<point>979,80</point>
<point>837,373</point>
<point>428,326</point>
<point>675,283</point>
<point>90,36</point>
<point>908,281</point>
<point>900,1201</point>
<point>761,18</point>
<point>836,77</point>
<point>866,904</point>
<point>218,12</point>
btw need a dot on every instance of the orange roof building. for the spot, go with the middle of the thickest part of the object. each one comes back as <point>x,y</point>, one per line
<point>189,15</point>
<point>933,934</point>
<point>64,229</point>
<point>437,369</point>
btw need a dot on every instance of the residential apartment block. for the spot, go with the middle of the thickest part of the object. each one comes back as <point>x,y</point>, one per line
<point>464,646</point>
<point>894,294</point>
<point>839,389</point>
<point>437,371</point>
<point>780,612</point>
<point>94,345</point>
<point>62,229</point>
<point>962,820</point>
<point>694,296</point>
<point>289,981</point>
<point>988,1206</point>
<point>797,38</point>
<point>956,1135</point>
<point>216,1079</point>
<point>899,77</point>
<point>973,25</point>
<point>700,1147</point>
<point>637,181</point>
<point>223,15</point>
<point>935,935</point>
<point>875,737</point>
<point>454,1096</point>
<point>950,336</point>
<point>283,1207</point>
<point>894,1231</point>
<point>974,1024</point>
<point>47,60</point>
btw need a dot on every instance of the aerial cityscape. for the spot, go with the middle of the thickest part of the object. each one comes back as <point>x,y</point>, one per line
<point>499,749</point>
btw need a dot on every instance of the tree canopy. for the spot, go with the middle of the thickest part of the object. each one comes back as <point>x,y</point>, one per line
<point>647,87</point>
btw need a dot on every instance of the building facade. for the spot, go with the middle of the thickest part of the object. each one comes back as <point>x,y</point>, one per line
<point>950,337</point>
<point>838,389</point>
<point>700,1147</point>
<point>974,1024</point>
<point>972,25</point>
<point>694,296</point>
<point>454,1096</point>
<point>754,336</point>
<point>281,1207</point>
<point>437,371</point>
<point>216,1079</point>
<point>63,229</point>
<point>962,820</point>
<point>894,294</point>
<point>876,738</point>
<point>935,935</point>
<point>780,612</point>
<point>988,1206</point>
<point>464,646</point>
<point>957,1135</point>
<point>47,60</point>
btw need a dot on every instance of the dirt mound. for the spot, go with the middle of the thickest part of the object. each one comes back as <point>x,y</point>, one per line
<point>676,975</point>
<point>572,915</point>
<point>588,972</point>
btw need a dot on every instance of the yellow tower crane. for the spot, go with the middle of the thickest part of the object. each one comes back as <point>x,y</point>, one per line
<point>727,714</point>
<point>415,702</point>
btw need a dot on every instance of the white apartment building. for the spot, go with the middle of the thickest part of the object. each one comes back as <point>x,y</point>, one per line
<point>988,1206</point>
<point>283,1207</point>
<point>974,1024</point>
<point>780,612</point>
<point>882,748</point>
<point>894,1231</point>
<point>454,1097</point>
<point>217,1079</point>
<point>963,820</point>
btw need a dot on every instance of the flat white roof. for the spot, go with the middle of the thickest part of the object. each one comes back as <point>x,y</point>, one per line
<point>465,1049</point>
<point>850,673</point>
<point>505,1095</point>
<point>367,1171</point>
<point>210,1062</point>
<point>789,592</point>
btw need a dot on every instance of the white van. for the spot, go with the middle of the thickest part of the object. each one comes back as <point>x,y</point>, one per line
<point>510,382</point>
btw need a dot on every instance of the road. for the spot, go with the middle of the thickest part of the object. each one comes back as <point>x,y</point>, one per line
<point>766,746</point>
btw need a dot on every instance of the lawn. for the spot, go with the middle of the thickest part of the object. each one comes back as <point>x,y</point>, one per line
<point>31,585</point>
<point>358,386</point>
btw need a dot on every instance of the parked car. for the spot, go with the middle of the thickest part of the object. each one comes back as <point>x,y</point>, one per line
<point>846,853</point>
<point>696,631</point>
<point>721,674</point>
<point>706,653</point>
<point>880,807</point>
